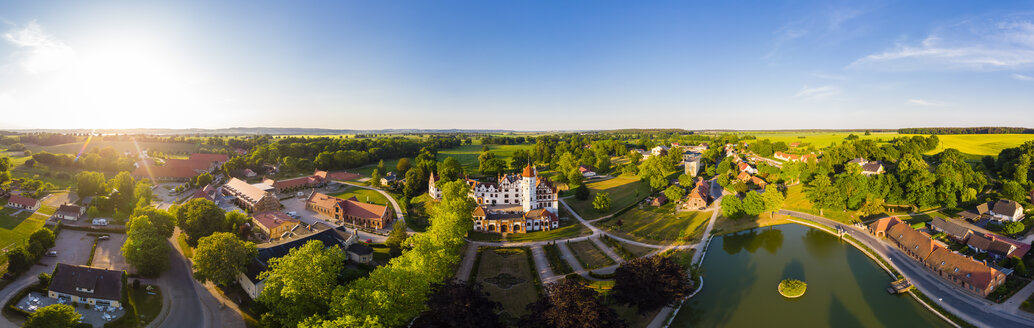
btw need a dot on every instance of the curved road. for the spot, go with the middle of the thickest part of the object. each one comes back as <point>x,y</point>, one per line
<point>968,306</point>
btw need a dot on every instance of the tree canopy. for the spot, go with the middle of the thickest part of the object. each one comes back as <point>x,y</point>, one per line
<point>221,257</point>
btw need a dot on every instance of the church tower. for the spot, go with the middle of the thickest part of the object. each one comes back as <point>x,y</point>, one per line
<point>528,188</point>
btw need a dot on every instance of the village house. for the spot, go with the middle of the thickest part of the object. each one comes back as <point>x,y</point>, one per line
<point>659,200</point>
<point>70,212</point>
<point>990,244</point>
<point>22,202</point>
<point>659,150</point>
<point>699,195</point>
<point>642,152</point>
<point>956,268</point>
<point>389,179</point>
<point>350,211</point>
<point>1007,210</point>
<point>299,235</point>
<point>744,167</point>
<point>274,224</point>
<point>359,253</point>
<point>952,229</point>
<point>586,171</point>
<point>691,162</point>
<point>208,192</point>
<point>86,285</point>
<point>289,185</point>
<point>868,168</point>
<point>250,197</point>
<point>794,157</point>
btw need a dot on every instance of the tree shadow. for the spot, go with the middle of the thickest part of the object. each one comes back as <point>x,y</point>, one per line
<point>794,270</point>
<point>820,244</point>
<point>771,239</point>
<point>841,317</point>
<point>732,276</point>
<point>734,243</point>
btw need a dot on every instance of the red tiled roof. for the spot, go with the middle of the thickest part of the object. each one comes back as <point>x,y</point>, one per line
<point>273,220</point>
<point>916,242</point>
<point>884,224</point>
<point>221,158</point>
<point>528,172</point>
<point>962,268</point>
<point>245,189</point>
<point>296,182</point>
<point>22,200</point>
<point>353,207</point>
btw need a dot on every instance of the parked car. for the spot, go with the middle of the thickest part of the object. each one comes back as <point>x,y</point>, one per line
<point>104,237</point>
<point>52,253</point>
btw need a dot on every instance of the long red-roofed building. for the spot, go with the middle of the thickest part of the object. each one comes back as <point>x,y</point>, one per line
<point>350,210</point>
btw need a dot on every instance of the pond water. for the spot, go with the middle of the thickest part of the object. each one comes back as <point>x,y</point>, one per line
<point>845,287</point>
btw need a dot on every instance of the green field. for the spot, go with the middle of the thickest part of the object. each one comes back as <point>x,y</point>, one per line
<point>507,278</point>
<point>121,146</point>
<point>974,145</point>
<point>467,156</point>
<point>15,229</point>
<point>623,193</point>
<point>363,195</point>
<point>590,256</point>
<point>658,225</point>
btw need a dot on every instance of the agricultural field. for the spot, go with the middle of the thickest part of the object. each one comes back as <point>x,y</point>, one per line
<point>590,256</point>
<point>16,228</point>
<point>973,145</point>
<point>363,195</point>
<point>121,146</point>
<point>624,191</point>
<point>658,225</point>
<point>508,278</point>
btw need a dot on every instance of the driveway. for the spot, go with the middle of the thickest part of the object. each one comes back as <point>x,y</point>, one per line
<point>109,254</point>
<point>73,247</point>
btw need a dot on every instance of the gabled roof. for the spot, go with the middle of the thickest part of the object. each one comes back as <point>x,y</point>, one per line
<point>221,158</point>
<point>980,242</point>
<point>273,220</point>
<point>962,268</point>
<point>541,214</point>
<point>884,224</point>
<point>982,208</point>
<point>1006,207</point>
<point>251,192</point>
<point>353,207</point>
<point>68,209</point>
<point>951,228</point>
<point>915,241</point>
<point>22,200</point>
<point>360,249</point>
<point>106,284</point>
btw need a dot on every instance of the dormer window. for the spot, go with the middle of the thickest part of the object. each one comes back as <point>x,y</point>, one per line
<point>956,270</point>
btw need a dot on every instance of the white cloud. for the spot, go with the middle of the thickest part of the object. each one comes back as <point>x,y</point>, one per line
<point>925,103</point>
<point>1000,44</point>
<point>818,93</point>
<point>43,52</point>
<point>1022,77</point>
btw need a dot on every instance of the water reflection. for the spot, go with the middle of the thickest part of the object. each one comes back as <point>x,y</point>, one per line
<point>820,244</point>
<point>770,239</point>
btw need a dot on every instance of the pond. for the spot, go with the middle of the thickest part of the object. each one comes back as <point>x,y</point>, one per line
<point>845,287</point>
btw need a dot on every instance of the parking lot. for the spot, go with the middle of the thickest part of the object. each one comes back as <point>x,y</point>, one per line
<point>109,253</point>
<point>73,247</point>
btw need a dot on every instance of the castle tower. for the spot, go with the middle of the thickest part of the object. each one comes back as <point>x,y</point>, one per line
<point>528,188</point>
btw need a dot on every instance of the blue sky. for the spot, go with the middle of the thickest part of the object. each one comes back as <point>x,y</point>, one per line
<point>521,65</point>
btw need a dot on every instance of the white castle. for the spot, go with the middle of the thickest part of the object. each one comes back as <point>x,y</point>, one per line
<point>514,204</point>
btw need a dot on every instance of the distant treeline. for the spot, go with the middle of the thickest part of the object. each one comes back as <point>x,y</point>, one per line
<point>972,130</point>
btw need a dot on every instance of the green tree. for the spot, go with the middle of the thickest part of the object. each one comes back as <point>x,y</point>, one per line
<point>773,199</point>
<point>221,258</point>
<point>731,206</point>
<point>301,284</point>
<point>402,167</point>
<point>569,304</point>
<point>163,221</point>
<point>686,181</point>
<point>375,178</point>
<point>53,316</point>
<point>43,236</point>
<point>89,184</point>
<point>19,260</point>
<point>674,193</point>
<point>450,169</point>
<point>459,304</point>
<point>413,183</point>
<point>200,218</point>
<point>146,247</point>
<point>753,204</point>
<point>124,183</point>
<point>602,202</point>
<point>1014,191</point>
<point>650,283</point>
<point>397,238</point>
<point>574,178</point>
<point>873,205</point>
<point>581,193</point>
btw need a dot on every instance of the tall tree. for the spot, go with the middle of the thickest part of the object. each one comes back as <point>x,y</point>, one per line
<point>459,305</point>
<point>200,218</point>
<point>403,166</point>
<point>650,283</point>
<point>773,198</point>
<point>397,238</point>
<point>731,206</point>
<point>602,202</point>
<point>300,284</point>
<point>753,203</point>
<point>146,247</point>
<point>221,258</point>
<point>569,304</point>
<point>89,184</point>
<point>674,193</point>
<point>450,169</point>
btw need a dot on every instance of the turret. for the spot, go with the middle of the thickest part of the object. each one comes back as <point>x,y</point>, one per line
<point>528,188</point>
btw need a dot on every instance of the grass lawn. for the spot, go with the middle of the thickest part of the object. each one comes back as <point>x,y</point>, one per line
<point>363,195</point>
<point>120,146</point>
<point>569,228</point>
<point>624,191</point>
<point>724,225</point>
<point>14,229</point>
<point>508,278</point>
<point>683,256</point>
<point>381,253</point>
<point>590,256</point>
<point>658,225</point>
<point>182,241</point>
<point>638,251</point>
<point>147,305</point>
<point>467,155</point>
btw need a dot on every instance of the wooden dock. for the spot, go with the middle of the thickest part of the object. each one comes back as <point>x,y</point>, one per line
<point>899,287</point>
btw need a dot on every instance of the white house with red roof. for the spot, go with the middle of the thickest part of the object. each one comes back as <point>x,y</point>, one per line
<point>22,202</point>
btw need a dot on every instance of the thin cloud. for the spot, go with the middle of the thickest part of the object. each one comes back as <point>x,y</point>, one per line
<point>43,52</point>
<point>818,93</point>
<point>1022,77</point>
<point>925,103</point>
<point>982,45</point>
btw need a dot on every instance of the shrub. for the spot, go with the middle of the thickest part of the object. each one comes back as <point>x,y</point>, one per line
<point>792,288</point>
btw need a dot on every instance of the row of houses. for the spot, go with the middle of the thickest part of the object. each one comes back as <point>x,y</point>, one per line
<point>996,246</point>
<point>795,158</point>
<point>963,271</point>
